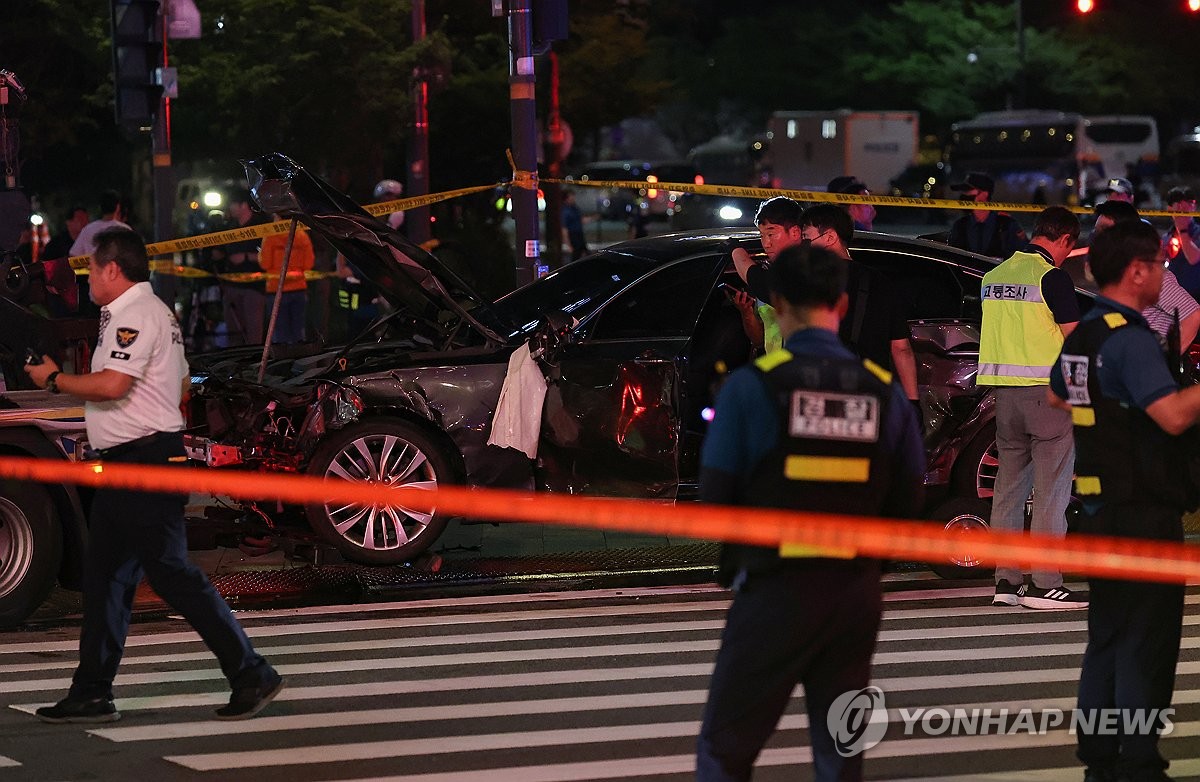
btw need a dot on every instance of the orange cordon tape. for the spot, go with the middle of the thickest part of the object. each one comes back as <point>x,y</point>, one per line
<point>887,538</point>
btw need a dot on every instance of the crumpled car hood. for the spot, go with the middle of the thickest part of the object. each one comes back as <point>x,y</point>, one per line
<point>406,274</point>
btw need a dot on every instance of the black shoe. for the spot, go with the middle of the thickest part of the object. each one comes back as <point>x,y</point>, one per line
<point>1055,598</point>
<point>77,710</point>
<point>1007,594</point>
<point>245,702</point>
<point>1099,775</point>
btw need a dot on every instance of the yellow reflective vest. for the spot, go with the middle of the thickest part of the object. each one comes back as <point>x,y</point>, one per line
<point>1020,341</point>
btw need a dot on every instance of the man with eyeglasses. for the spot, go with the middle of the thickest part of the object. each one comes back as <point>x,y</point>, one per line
<point>1134,431</point>
<point>984,231</point>
<point>1182,241</point>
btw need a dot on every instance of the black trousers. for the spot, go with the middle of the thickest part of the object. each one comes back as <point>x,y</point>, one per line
<point>134,532</point>
<point>1133,645</point>
<point>813,624</point>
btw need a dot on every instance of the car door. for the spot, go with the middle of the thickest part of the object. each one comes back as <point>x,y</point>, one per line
<point>612,418</point>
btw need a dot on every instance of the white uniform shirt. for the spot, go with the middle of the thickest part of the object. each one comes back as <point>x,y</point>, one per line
<point>139,337</point>
<point>85,243</point>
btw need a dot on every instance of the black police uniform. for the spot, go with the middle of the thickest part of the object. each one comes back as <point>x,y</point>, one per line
<point>846,441</point>
<point>1133,481</point>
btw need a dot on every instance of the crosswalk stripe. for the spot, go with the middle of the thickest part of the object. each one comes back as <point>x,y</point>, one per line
<point>399,748</point>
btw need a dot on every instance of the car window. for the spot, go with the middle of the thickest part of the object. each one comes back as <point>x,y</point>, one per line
<point>666,303</point>
<point>925,287</point>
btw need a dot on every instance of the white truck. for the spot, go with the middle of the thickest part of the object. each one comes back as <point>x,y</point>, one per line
<point>809,148</point>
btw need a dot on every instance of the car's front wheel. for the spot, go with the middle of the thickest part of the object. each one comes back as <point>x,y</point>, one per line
<point>968,516</point>
<point>388,452</point>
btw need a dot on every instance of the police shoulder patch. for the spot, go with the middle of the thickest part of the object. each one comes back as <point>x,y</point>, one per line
<point>126,336</point>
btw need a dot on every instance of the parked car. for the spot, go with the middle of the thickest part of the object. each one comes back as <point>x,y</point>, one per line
<point>617,203</point>
<point>629,339</point>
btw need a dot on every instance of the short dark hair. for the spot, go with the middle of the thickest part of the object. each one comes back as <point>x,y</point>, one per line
<point>1117,211</point>
<point>72,211</point>
<point>1055,222</point>
<point>109,201</point>
<point>125,248</point>
<point>807,276</point>
<point>1177,194</point>
<point>1113,250</point>
<point>779,210</point>
<point>830,217</point>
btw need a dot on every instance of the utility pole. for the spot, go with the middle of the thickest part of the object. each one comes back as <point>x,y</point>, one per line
<point>417,220</point>
<point>521,83</point>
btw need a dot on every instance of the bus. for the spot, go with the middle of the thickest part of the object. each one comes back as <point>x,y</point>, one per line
<point>1035,156</point>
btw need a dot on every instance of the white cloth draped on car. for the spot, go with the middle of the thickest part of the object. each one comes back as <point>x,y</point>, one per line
<point>518,418</point>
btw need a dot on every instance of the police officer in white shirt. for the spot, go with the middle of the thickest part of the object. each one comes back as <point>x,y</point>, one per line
<point>132,398</point>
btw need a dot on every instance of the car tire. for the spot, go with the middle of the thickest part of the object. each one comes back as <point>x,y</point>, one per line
<point>392,451</point>
<point>969,516</point>
<point>31,550</point>
<point>975,470</point>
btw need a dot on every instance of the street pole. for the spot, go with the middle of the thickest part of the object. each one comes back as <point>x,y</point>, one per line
<point>555,142</point>
<point>165,285</point>
<point>417,220</point>
<point>521,83</point>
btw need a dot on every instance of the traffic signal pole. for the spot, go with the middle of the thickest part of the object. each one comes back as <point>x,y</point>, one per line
<point>521,84</point>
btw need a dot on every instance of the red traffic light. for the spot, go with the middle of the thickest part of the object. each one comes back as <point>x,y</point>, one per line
<point>1087,6</point>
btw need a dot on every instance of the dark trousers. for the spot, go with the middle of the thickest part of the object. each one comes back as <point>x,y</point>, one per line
<point>1133,645</point>
<point>814,624</point>
<point>135,532</point>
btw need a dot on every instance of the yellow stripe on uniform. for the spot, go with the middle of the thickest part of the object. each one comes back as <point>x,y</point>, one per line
<point>1083,416</point>
<point>773,359</point>
<point>835,469</point>
<point>1087,485</point>
<point>1115,320</point>
<point>799,550</point>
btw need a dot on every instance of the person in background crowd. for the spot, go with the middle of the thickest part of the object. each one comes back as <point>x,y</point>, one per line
<point>1173,300</point>
<point>132,399</point>
<point>61,282</point>
<point>390,190</point>
<point>1182,241</point>
<point>243,302</point>
<point>862,214</point>
<point>289,327</point>
<point>114,211</point>
<point>1029,307</point>
<point>1132,481</point>
<point>1119,189</point>
<point>984,231</point>
<point>783,627</point>
<point>778,222</point>
<point>572,223</point>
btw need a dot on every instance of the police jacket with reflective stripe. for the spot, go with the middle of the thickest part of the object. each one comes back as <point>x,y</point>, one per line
<point>1121,454</point>
<point>1020,340</point>
<point>828,456</point>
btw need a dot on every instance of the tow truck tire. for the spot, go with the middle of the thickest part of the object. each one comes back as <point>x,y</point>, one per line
<point>31,550</point>
<point>389,451</point>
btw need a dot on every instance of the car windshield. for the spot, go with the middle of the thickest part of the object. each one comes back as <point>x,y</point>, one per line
<point>576,289</point>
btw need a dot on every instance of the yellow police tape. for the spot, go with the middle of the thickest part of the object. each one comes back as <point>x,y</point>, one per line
<point>527,179</point>
<point>868,536</point>
<point>821,196</point>
<point>248,233</point>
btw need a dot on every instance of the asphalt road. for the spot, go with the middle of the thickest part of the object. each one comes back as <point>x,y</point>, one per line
<point>567,686</point>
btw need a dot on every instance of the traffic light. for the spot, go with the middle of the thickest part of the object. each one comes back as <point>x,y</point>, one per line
<point>136,48</point>
<point>1085,6</point>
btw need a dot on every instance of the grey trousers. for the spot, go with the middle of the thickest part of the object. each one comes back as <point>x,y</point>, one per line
<point>1037,453</point>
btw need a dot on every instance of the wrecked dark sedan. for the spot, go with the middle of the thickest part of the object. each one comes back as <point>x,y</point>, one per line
<point>631,341</point>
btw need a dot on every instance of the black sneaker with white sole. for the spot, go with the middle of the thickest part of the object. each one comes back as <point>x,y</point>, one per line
<point>1008,594</point>
<point>245,702</point>
<point>1053,598</point>
<point>80,710</point>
